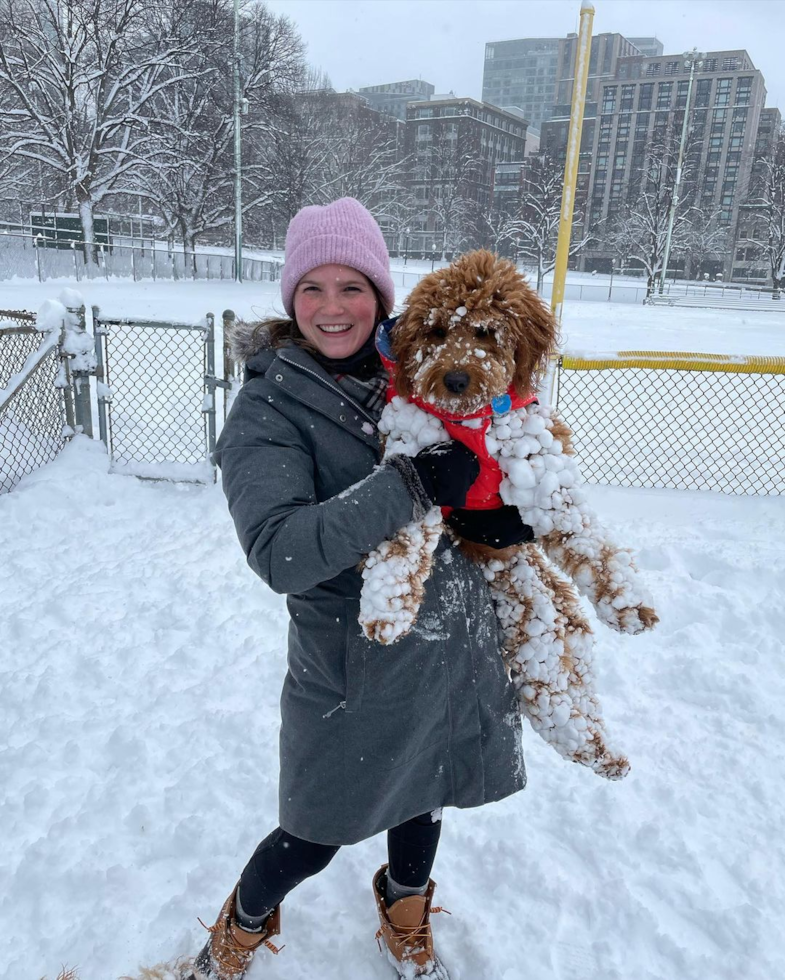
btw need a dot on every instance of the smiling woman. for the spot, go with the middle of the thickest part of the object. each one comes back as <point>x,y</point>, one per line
<point>369,742</point>
<point>336,308</point>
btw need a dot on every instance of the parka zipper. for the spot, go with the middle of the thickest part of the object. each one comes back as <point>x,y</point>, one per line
<point>334,388</point>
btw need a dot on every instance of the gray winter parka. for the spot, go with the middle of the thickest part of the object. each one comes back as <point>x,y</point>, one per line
<point>371,735</point>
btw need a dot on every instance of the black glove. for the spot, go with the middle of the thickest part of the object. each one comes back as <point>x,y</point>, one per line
<point>447,470</point>
<point>499,528</point>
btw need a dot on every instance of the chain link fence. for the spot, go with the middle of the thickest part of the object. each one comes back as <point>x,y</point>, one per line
<point>156,396</point>
<point>36,412</point>
<point>686,421</point>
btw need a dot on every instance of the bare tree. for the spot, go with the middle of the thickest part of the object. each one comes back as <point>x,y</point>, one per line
<point>767,210</point>
<point>334,145</point>
<point>535,230</point>
<point>82,78</point>
<point>189,168</point>
<point>450,173</point>
<point>640,229</point>
<point>705,238</point>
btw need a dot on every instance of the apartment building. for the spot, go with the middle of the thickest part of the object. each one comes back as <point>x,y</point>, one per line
<point>642,106</point>
<point>536,74</point>
<point>748,263</point>
<point>454,146</point>
<point>393,97</point>
<point>649,47</point>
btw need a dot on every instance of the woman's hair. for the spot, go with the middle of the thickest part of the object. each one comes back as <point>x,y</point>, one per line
<point>275,332</point>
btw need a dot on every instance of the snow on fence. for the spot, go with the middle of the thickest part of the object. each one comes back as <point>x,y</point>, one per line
<point>36,411</point>
<point>27,257</point>
<point>681,420</point>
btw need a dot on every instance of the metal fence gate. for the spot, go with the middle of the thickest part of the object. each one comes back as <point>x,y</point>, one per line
<point>36,411</point>
<point>156,396</point>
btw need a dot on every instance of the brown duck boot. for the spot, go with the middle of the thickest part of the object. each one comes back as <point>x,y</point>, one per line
<point>406,930</point>
<point>228,952</point>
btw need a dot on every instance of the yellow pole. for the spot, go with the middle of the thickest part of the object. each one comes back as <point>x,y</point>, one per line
<point>581,75</point>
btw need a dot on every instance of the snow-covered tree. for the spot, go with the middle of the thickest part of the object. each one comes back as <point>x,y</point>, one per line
<point>334,145</point>
<point>449,174</point>
<point>705,239</point>
<point>188,173</point>
<point>766,208</point>
<point>534,231</point>
<point>639,229</point>
<point>80,80</point>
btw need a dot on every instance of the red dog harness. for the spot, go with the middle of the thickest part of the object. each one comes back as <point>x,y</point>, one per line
<point>484,492</point>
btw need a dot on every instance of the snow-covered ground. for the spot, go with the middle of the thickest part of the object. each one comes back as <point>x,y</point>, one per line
<point>587,325</point>
<point>140,670</point>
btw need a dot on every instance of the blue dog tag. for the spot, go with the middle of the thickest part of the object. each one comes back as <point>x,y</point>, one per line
<point>501,405</point>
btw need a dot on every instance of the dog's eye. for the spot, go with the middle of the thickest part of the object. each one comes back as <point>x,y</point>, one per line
<point>439,332</point>
<point>481,333</point>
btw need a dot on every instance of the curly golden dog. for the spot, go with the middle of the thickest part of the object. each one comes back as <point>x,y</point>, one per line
<point>465,360</point>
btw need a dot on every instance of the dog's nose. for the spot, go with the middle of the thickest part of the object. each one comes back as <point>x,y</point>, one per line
<point>456,381</point>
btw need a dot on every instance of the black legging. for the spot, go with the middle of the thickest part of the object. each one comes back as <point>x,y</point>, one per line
<point>282,861</point>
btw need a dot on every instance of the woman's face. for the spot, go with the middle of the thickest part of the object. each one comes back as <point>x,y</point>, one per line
<point>335,308</point>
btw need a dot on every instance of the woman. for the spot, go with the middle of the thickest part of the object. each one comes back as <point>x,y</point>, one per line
<point>371,738</point>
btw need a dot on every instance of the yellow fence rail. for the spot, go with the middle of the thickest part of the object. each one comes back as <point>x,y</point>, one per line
<point>677,419</point>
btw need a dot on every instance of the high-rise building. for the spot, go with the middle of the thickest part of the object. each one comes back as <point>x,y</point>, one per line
<point>536,74</point>
<point>394,97</point>
<point>642,107</point>
<point>650,47</point>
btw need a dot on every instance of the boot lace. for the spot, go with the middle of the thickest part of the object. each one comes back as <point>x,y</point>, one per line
<point>412,937</point>
<point>228,940</point>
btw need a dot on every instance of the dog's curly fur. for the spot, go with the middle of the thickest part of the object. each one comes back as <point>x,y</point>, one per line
<point>470,332</point>
<point>502,317</point>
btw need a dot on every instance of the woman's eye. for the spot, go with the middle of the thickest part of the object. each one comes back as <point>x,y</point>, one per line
<point>310,289</point>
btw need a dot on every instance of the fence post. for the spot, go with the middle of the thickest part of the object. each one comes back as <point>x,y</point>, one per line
<point>99,332</point>
<point>208,406</point>
<point>230,367</point>
<point>83,412</point>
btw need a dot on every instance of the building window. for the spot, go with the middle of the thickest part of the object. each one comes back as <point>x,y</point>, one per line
<point>709,64</point>
<point>645,95</point>
<point>743,91</point>
<point>664,91</point>
<point>722,95</point>
<point>609,98</point>
<point>671,68</point>
<point>730,64</point>
<point>627,95</point>
<point>703,95</point>
<point>653,68</point>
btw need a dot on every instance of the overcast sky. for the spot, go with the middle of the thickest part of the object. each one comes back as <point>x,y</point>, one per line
<point>370,42</point>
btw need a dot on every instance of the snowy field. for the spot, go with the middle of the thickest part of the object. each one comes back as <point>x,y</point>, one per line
<point>587,325</point>
<point>141,665</point>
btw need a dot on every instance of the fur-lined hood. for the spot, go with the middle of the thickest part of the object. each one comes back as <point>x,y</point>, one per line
<point>245,341</point>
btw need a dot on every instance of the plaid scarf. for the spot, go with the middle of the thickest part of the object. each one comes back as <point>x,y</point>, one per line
<point>369,392</point>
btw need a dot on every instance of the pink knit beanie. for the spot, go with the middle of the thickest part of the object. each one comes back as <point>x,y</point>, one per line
<point>343,233</point>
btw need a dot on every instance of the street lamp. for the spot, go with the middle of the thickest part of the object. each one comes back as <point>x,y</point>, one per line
<point>238,195</point>
<point>692,60</point>
<point>406,246</point>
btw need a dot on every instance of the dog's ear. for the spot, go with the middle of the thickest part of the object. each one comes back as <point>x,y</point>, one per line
<point>406,335</point>
<point>536,337</point>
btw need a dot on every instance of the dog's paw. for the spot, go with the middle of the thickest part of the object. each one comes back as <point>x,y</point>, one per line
<point>630,619</point>
<point>613,767</point>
